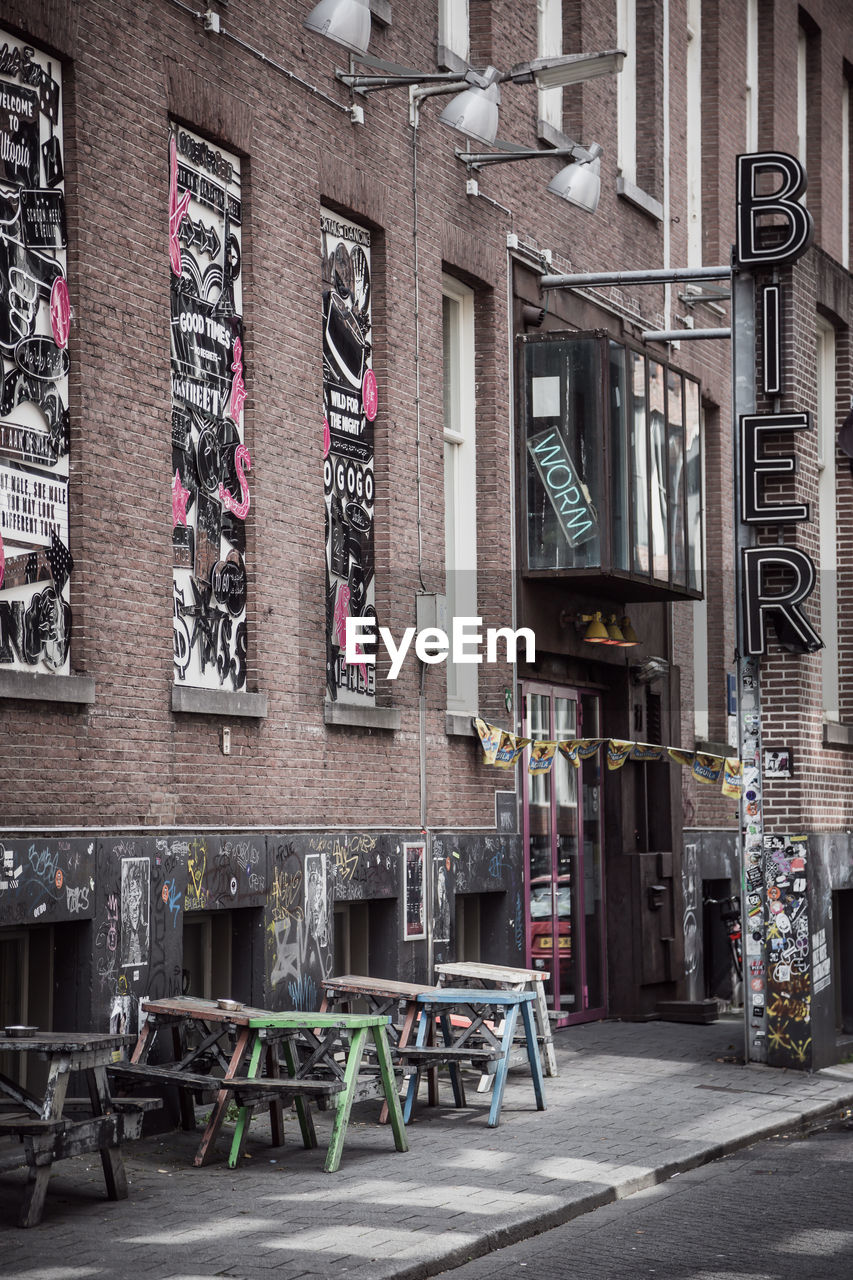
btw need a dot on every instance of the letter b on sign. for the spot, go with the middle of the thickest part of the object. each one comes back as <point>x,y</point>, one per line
<point>772,226</point>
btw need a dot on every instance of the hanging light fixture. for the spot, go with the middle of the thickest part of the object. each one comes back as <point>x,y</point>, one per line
<point>631,637</point>
<point>596,632</point>
<point>474,111</point>
<point>580,182</point>
<point>347,22</point>
<point>614,632</point>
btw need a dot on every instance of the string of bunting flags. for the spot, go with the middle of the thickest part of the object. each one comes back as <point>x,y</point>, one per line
<point>504,749</point>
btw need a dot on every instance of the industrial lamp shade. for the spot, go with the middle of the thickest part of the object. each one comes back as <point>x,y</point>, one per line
<point>347,22</point>
<point>614,633</point>
<point>596,632</point>
<point>474,112</point>
<point>630,636</point>
<point>579,183</point>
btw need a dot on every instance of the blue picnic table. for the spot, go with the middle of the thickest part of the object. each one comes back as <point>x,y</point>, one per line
<point>476,1026</point>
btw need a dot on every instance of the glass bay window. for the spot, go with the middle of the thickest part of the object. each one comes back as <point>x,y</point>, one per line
<point>612,466</point>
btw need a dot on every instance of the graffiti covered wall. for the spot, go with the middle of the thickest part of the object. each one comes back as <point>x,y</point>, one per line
<point>35,562</point>
<point>209,485</point>
<point>349,409</point>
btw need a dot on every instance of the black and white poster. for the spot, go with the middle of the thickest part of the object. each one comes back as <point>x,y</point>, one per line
<point>35,317</point>
<point>209,479</point>
<point>414,890</point>
<point>350,403</point>
<point>135,911</point>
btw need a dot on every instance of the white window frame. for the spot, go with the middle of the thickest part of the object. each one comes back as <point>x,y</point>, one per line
<point>845,174</point>
<point>454,28</point>
<point>694,133</point>
<point>626,91</point>
<point>460,480</point>
<point>828,516</point>
<point>802,96</point>
<point>549,44</point>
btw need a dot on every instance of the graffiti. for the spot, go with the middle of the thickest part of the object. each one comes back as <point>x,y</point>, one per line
<point>303,993</point>
<point>821,962</point>
<point>172,899</point>
<point>44,865</point>
<point>209,456</point>
<point>196,898</point>
<point>316,902</point>
<point>283,893</point>
<point>345,862</point>
<point>76,898</point>
<point>34,320</point>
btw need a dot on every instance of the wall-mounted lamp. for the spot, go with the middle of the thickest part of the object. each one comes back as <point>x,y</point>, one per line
<point>629,634</point>
<point>347,22</point>
<point>596,631</point>
<point>600,630</point>
<point>579,182</point>
<point>474,110</point>
<point>650,670</point>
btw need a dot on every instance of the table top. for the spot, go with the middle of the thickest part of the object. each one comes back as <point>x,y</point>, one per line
<point>257,1019</point>
<point>361,984</point>
<point>493,972</point>
<point>474,996</point>
<point>64,1042</point>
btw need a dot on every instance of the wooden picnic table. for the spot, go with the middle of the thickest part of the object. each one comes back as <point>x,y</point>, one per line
<point>322,1056</point>
<point>55,1127</point>
<point>477,1025</point>
<point>390,997</point>
<point>471,973</point>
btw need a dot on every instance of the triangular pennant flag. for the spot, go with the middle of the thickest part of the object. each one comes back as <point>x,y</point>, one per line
<point>542,755</point>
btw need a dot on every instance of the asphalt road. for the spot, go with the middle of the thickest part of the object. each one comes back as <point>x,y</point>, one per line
<point>781,1210</point>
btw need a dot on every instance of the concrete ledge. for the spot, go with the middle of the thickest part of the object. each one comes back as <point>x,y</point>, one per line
<point>381,10</point>
<point>387,718</point>
<point>639,199</point>
<point>79,690</point>
<point>838,735</point>
<point>546,132</point>
<point>458,726</point>
<point>714,748</point>
<point>218,702</point>
<point>450,61</point>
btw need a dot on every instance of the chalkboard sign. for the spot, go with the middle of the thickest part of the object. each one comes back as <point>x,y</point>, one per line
<point>414,898</point>
<point>506,812</point>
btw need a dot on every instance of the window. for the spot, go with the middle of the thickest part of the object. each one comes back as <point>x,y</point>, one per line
<point>453,32</point>
<point>614,469</point>
<point>802,95</point>
<point>845,173</point>
<point>825,336</point>
<point>550,45</point>
<point>460,480</point>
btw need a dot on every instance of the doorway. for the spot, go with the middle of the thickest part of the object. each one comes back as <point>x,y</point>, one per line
<point>564,882</point>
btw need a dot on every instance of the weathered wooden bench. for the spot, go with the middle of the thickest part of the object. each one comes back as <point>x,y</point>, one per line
<point>257,1089</point>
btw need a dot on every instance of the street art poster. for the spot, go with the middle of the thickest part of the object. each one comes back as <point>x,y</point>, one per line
<point>414,890</point>
<point>35,561</point>
<point>787,966</point>
<point>350,401</point>
<point>208,482</point>
<point>135,911</point>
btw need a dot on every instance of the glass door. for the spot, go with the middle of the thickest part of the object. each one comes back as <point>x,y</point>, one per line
<point>564,884</point>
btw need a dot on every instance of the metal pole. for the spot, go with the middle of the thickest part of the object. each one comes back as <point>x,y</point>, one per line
<point>634,277</point>
<point>679,335</point>
<point>751,825</point>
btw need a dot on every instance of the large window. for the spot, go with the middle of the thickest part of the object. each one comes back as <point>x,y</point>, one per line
<point>613,461</point>
<point>460,480</point>
<point>453,29</point>
<point>549,35</point>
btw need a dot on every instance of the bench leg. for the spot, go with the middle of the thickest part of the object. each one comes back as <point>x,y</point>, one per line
<point>533,1056</point>
<point>214,1124</point>
<point>389,1086</point>
<point>503,1066</point>
<point>303,1106</point>
<point>111,1157</point>
<point>244,1117</point>
<point>544,1025</point>
<point>405,1033</point>
<point>38,1176</point>
<point>345,1100</point>
<point>455,1073</point>
<point>415,1077</point>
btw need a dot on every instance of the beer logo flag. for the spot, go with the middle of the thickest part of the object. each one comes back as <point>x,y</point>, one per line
<point>617,753</point>
<point>490,738</point>
<point>541,757</point>
<point>681,757</point>
<point>509,750</point>
<point>708,768</point>
<point>646,751</point>
<point>733,778</point>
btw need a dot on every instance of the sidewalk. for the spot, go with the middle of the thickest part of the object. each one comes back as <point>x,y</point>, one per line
<point>634,1104</point>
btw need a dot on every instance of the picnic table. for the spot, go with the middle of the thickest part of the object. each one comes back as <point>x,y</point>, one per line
<point>471,973</point>
<point>42,1130</point>
<point>477,1026</point>
<point>322,1054</point>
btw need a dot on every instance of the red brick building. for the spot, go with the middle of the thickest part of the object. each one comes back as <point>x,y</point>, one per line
<point>277,356</point>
